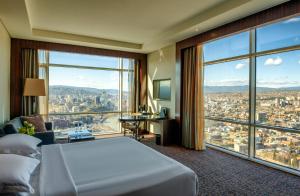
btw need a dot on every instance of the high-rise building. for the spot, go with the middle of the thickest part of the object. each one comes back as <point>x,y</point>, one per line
<point>261,117</point>
<point>97,100</point>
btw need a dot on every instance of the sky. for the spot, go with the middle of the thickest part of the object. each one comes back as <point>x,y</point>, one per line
<point>277,70</point>
<point>100,79</point>
<point>274,71</point>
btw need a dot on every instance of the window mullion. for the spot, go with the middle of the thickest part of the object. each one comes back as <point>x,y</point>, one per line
<point>120,84</point>
<point>252,93</point>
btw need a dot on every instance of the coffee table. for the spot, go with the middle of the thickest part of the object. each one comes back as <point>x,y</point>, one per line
<point>79,135</point>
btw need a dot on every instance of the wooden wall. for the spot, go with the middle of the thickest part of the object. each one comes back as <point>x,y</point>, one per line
<point>17,45</point>
<point>281,11</point>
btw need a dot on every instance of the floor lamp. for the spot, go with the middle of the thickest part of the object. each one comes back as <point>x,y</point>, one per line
<point>34,88</point>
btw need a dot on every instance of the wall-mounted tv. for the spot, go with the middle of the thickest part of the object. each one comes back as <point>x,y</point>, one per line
<point>162,89</point>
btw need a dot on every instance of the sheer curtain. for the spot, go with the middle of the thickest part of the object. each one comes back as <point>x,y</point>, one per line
<point>131,97</point>
<point>128,86</point>
<point>192,99</point>
<point>44,74</point>
<point>136,87</point>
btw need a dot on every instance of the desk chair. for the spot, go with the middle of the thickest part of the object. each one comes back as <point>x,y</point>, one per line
<point>131,127</point>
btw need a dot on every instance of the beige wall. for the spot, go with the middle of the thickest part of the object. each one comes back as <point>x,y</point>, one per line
<point>161,65</point>
<point>4,73</point>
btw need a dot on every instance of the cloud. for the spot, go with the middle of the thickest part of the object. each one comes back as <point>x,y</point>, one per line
<point>299,61</point>
<point>240,65</point>
<point>81,77</point>
<point>273,61</point>
<point>232,82</point>
<point>292,20</point>
<point>277,83</point>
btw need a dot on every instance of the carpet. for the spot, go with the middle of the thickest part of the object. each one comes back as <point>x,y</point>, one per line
<point>223,174</point>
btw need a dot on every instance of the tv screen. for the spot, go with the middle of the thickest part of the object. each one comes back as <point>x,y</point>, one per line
<point>162,89</point>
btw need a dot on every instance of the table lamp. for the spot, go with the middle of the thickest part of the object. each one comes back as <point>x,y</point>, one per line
<point>34,87</point>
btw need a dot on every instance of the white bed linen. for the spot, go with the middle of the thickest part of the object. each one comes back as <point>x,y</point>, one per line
<point>116,166</point>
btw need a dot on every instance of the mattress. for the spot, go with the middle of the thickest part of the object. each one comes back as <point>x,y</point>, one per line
<point>115,166</point>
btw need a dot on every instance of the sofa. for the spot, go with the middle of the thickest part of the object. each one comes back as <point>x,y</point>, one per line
<point>12,127</point>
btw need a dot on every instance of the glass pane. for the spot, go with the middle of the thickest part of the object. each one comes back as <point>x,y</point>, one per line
<point>231,46</point>
<point>73,90</point>
<point>278,89</point>
<point>282,34</point>
<point>278,147</point>
<point>127,91</point>
<point>226,90</point>
<point>98,124</point>
<point>227,135</point>
<point>66,58</point>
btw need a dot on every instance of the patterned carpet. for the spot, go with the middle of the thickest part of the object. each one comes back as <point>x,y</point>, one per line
<point>223,174</point>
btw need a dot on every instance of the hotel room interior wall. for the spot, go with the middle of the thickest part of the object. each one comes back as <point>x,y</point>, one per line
<point>4,73</point>
<point>161,65</point>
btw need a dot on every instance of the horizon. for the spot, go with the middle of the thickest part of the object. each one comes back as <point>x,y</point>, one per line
<point>82,87</point>
<point>67,86</point>
<point>256,87</point>
<point>88,78</point>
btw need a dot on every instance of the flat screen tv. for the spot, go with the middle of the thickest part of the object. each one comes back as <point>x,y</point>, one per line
<point>162,89</point>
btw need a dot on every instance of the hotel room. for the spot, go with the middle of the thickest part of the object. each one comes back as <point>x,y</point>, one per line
<point>147,98</point>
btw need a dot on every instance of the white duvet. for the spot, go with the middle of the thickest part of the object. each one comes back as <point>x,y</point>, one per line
<point>116,166</point>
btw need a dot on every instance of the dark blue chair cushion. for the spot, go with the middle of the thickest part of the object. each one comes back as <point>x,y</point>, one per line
<point>13,126</point>
<point>2,133</point>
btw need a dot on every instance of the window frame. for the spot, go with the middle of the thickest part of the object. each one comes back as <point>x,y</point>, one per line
<point>252,124</point>
<point>120,71</point>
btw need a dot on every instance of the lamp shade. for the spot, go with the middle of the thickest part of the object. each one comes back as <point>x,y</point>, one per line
<point>34,87</point>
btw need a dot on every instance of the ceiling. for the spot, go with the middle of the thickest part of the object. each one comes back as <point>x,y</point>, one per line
<point>130,25</point>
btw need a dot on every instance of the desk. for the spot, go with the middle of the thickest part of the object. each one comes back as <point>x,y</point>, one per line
<point>138,119</point>
<point>169,132</point>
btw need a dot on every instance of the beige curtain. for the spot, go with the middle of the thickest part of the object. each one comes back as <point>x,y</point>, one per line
<point>44,74</point>
<point>192,99</point>
<point>29,63</point>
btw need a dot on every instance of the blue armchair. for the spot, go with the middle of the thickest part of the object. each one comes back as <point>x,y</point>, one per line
<point>12,127</point>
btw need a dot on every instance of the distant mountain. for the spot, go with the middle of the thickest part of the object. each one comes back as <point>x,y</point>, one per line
<point>245,88</point>
<point>73,90</point>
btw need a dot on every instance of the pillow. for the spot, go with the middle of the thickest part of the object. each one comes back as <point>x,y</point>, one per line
<point>15,172</point>
<point>37,122</point>
<point>20,144</point>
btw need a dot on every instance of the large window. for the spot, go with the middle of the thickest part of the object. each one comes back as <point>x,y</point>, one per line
<point>226,90</point>
<point>88,91</point>
<point>252,93</point>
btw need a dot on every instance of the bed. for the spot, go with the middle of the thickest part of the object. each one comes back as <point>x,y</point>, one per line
<point>115,166</point>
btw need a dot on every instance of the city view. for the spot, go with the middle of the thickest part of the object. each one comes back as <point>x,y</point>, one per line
<point>274,107</point>
<point>86,92</point>
<point>87,108</point>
